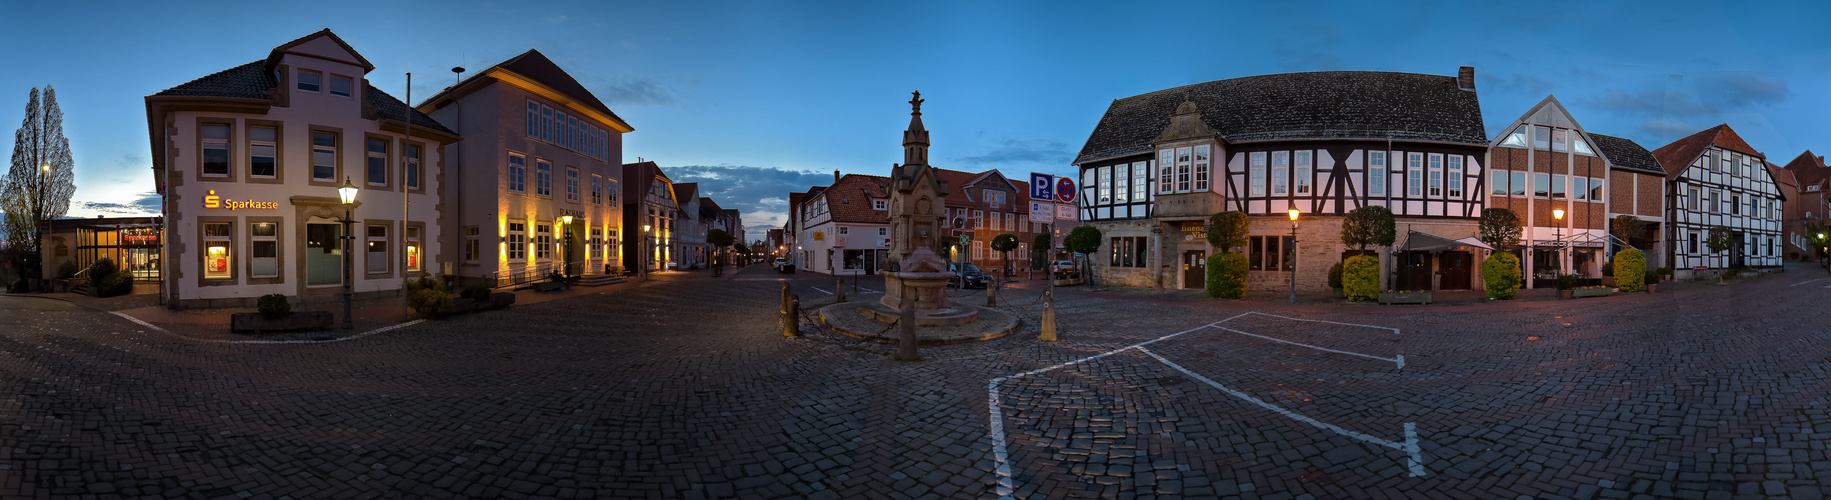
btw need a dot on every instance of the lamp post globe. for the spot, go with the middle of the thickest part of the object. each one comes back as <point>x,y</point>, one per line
<point>1294,214</point>
<point>347,195</point>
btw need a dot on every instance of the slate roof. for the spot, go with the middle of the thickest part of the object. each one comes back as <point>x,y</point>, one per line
<point>1675,157</point>
<point>637,179</point>
<point>1626,154</point>
<point>1294,106</point>
<point>708,209</point>
<point>254,81</point>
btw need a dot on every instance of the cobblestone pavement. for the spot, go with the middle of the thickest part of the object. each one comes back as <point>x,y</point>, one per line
<point>683,388</point>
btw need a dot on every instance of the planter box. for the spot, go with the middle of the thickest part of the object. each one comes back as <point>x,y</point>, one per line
<point>1593,292</point>
<point>1405,298</point>
<point>1652,287</point>
<point>497,300</point>
<point>298,320</point>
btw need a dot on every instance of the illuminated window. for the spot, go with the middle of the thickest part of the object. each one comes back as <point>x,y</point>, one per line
<point>518,241</point>
<point>543,241</point>
<point>217,259</point>
<point>413,249</point>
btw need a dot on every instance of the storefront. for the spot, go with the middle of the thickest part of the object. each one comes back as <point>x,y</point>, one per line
<point>131,243</point>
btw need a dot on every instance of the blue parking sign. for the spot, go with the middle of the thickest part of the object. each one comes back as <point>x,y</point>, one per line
<point>1042,186</point>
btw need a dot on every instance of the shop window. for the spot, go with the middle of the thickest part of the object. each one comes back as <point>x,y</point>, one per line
<point>217,257</point>
<point>377,246</point>
<point>215,150</point>
<point>1264,253</point>
<point>262,152</point>
<point>1128,251</point>
<point>473,243</point>
<point>378,162</point>
<point>518,241</point>
<point>324,156</point>
<point>265,250</point>
<point>413,249</point>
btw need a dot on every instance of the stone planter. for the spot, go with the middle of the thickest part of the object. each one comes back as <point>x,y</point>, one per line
<point>1566,294</point>
<point>1339,293</point>
<point>1405,297</point>
<point>1593,292</point>
<point>298,320</point>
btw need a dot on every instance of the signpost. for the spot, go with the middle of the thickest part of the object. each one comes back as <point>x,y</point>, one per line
<point>1042,186</point>
<point>1064,190</point>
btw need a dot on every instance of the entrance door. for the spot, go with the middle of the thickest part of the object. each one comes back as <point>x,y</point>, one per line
<point>1414,271</point>
<point>1738,253</point>
<point>323,255</point>
<point>1457,268</point>
<point>1195,268</point>
<point>870,258</point>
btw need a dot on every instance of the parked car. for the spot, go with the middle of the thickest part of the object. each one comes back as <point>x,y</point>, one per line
<point>782,265</point>
<point>1062,265</point>
<point>974,277</point>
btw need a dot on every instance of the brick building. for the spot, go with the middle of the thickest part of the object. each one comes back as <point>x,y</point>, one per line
<point>1806,201</point>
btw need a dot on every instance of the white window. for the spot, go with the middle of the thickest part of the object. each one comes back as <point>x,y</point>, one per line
<point>324,156</point>
<point>1560,140</point>
<point>1595,189</point>
<point>843,230</point>
<point>518,241</point>
<point>1579,188</point>
<point>1376,173</point>
<point>262,152</point>
<point>1121,184</point>
<point>1580,146</point>
<point>543,177</point>
<point>572,184</point>
<point>1183,162</point>
<point>597,189</point>
<point>1166,174</point>
<point>883,231</point>
<point>265,250</point>
<point>546,123</point>
<point>1497,182</point>
<point>217,259</point>
<point>377,257</point>
<point>378,162</point>
<point>978,219</point>
<point>978,249</point>
<point>518,173</point>
<point>413,249</point>
<point>1557,186</point>
<point>473,243</point>
<point>1304,164</point>
<point>880,204</point>
<point>1281,164</point>
<point>1201,168</point>
<point>215,150</point>
<point>1010,222</point>
<point>310,81</point>
<point>1436,175</point>
<point>996,224</point>
<point>1414,176</point>
<point>533,120</point>
<point>543,241</point>
<point>1140,171</point>
<point>1104,183</point>
<point>1257,161</point>
<point>610,188</point>
<point>413,167</point>
<point>340,86</point>
<point>1455,176</point>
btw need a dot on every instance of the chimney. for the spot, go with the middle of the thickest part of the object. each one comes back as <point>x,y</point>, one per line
<point>640,160</point>
<point>835,176</point>
<point>1465,78</point>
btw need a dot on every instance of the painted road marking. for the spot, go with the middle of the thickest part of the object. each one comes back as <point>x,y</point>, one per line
<point>352,337</point>
<point>1807,281</point>
<point>1400,359</point>
<point>1410,446</point>
<point>817,289</point>
<point>1395,331</point>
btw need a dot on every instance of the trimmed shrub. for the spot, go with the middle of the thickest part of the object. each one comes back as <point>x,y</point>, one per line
<point>101,269</point>
<point>68,270</point>
<point>274,306</point>
<point>1567,282</point>
<point>428,296</point>
<point>1631,275</point>
<point>115,283</point>
<point>1226,275</point>
<point>1652,277</point>
<point>1335,275</point>
<point>478,292</point>
<point>1501,275</point>
<point>1360,278</point>
<point>1608,268</point>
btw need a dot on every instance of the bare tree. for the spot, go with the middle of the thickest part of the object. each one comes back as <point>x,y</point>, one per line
<point>41,181</point>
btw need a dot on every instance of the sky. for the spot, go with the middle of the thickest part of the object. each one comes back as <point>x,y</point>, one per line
<point>757,99</point>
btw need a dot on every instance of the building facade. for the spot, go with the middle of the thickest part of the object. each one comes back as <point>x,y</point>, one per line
<point>1806,205</point>
<point>689,238</point>
<point>541,150</point>
<point>250,159</point>
<point>1159,164</point>
<point>846,226</point>
<point>1714,178</point>
<point>981,206</point>
<point>649,211</point>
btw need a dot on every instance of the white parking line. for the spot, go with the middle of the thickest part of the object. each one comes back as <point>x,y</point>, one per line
<point>1413,459</point>
<point>1395,331</point>
<point>1400,359</point>
<point>352,337</point>
<point>1806,281</point>
<point>817,289</point>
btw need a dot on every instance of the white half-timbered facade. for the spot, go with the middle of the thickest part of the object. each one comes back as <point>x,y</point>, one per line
<point>1716,179</point>
<point>1325,143</point>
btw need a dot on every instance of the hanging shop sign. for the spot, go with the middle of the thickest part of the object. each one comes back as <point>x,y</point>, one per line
<point>214,201</point>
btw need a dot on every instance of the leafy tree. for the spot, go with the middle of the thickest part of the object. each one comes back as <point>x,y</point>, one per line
<point>1004,244</point>
<point>742,248</point>
<point>1371,225</point>
<point>1083,240</point>
<point>1039,253</point>
<point>40,182</point>
<point>1227,230</point>
<point>1499,228</point>
<point>1627,227</point>
<point>719,240</point>
<point>1720,239</point>
<point>1816,233</point>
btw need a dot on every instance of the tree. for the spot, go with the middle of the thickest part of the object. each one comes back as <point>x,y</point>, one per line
<point>1004,244</point>
<point>1369,225</point>
<point>1039,253</point>
<point>719,240</point>
<point>40,182</point>
<point>1499,228</point>
<point>1227,230</point>
<point>1083,240</point>
<point>1627,227</point>
<point>1720,240</point>
<point>1816,233</point>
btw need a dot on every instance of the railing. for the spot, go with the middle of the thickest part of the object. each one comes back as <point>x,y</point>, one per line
<point>511,277</point>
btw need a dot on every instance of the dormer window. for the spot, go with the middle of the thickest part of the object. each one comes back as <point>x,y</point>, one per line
<point>880,205</point>
<point>340,86</point>
<point>310,81</point>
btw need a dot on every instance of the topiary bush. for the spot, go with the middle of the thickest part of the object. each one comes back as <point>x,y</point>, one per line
<point>273,306</point>
<point>68,270</point>
<point>428,296</point>
<point>1501,275</point>
<point>1226,275</point>
<point>1567,282</point>
<point>1632,270</point>
<point>1335,275</point>
<point>1651,278</point>
<point>115,283</point>
<point>1608,268</point>
<point>1360,278</point>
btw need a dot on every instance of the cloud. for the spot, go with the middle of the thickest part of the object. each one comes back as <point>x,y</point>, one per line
<point>1707,95</point>
<point>1652,102</point>
<point>144,204</point>
<point>1013,151</point>
<point>1741,90</point>
<point>760,194</point>
<point>1664,128</point>
<point>635,91</point>
<point>1522,84</point>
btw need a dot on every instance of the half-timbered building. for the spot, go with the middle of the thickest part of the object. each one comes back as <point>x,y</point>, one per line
<point>1325,143</point>
<point>1714,178</point>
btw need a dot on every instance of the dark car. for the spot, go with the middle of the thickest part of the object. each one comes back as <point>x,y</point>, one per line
<point>974,277</point>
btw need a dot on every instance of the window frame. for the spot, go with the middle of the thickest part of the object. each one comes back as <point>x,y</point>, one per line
<point>543,177</point>
<point>413,158</point>
<point>206,144</point>
<point>1256,166</point>
<point>572,184</point>
<point>1435,162</point>
<point>543,241</point>
<point>255,241</point>
<point>371,156</point>
<point>251,143</point>
<point>1414,175</point>
<point>330,88</point>
<point>208,241</point>
<point>317,85</point>
<point>515,240</point>
<point>413,236</point>
<point>334,150</point>
<point>1204,161</point>
<point>517,173</point>
<point>473,243</point>
<point>1453,176</point>
<point>1303,161</point>
<point>1376,173</point>
<point>371,241</point>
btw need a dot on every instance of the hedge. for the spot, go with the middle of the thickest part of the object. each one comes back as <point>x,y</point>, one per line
<point>1501,275</point>
<point>1631,274</point>
<point>1360,278</point>
<point>1227,275</point>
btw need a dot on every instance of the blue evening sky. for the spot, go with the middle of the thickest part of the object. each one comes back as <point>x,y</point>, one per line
<point>754,99</point>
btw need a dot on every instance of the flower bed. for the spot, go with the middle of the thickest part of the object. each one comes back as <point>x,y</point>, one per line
<point>1405,297</point>
<point>1593,291</point>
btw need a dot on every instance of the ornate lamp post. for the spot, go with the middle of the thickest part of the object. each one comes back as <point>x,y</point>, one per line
<point>1294,256</point>
<point>347,194</point>
<point>1557,231</point>
<point>565,259</point>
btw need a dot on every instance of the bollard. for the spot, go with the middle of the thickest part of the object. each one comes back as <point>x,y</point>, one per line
<point>991,293</point>
<point>906,329</point>
<point>839,288</point>
<point>791,321</point>
<point>1048,334</point>
<point>784,304</point>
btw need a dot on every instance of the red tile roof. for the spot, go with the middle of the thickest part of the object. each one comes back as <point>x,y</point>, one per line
<point>1809,168</point>
<point>1781,175</point>
<point>1678,155</point>
<point>849,200</point>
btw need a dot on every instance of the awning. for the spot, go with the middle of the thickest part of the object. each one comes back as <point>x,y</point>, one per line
<point>1420,242</point>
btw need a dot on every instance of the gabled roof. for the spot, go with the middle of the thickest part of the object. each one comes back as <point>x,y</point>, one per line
<point>1295,106</point>
<point>248,81</point>
<point>849,200</point>
<point>708,209</point>
<point>1678,155</point>
<point>686,192</point>
<point>638,178</point>
<point>1626,154</point>
<point>1781,175</point>
<point>1808,168</point>
<point>531,71</point>
<point>956,184</point>
<point>538,67</point>
<point>273,57</point>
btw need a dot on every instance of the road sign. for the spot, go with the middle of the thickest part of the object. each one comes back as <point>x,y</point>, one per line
<point>1065,212</point>
<point>1042,186</point>
<point>1042,211</point>
<point>1064,190</point>
<point>965,239</point>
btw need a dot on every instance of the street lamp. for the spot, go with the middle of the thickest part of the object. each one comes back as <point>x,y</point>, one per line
<point>1558,236</point>
<point>1294,256</point>
<point>642,248</point>
<point>565,258</point>
<point>347,194</point>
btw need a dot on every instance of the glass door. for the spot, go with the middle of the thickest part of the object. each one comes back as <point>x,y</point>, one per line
<point>323,254</point>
